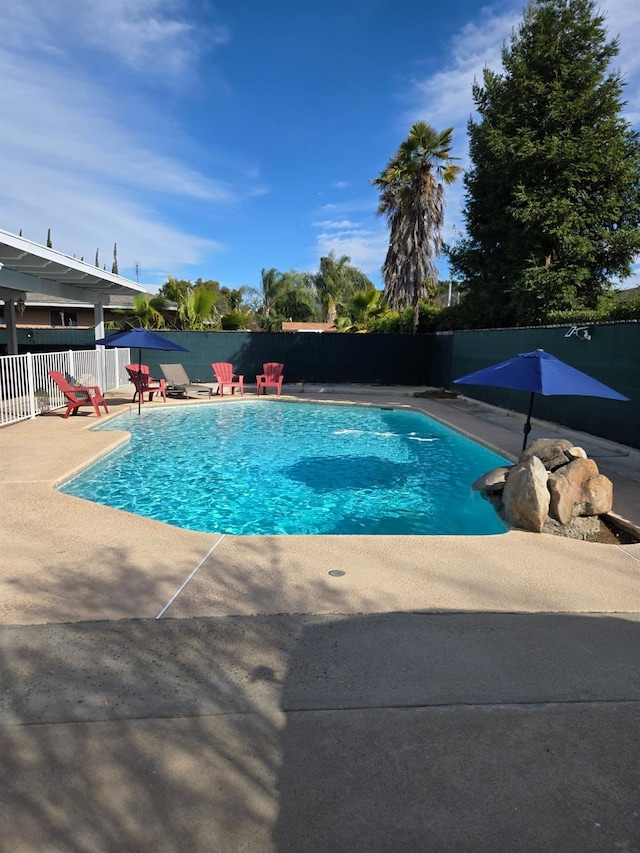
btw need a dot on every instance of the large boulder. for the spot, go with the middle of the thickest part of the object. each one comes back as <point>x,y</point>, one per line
<point>492,481</point>
<point>552,452</point>
<point>578,489</point>
<point>526,496</point>
<point>576,453</point>
<point>554,488</point>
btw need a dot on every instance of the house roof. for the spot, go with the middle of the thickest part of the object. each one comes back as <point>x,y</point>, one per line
<point>27,267</point>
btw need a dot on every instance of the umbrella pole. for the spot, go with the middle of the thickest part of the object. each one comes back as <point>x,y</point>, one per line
<point>526,429</point>
<point>139,379</point>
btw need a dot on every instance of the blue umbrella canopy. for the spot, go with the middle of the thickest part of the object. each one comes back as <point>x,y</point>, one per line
<point>539,372</point>
<point>139,339</point>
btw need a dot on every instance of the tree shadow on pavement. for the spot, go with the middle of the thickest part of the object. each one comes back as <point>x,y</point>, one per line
<point>381,732</point>
<point>143,734</point>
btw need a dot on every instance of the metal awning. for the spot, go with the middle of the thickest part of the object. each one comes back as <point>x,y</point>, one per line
<point>28,267</point>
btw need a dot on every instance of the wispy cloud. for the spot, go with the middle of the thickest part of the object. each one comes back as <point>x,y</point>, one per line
<point>149,36</point>
<point>365,247</point>
<point>80,168</point>
<point>444,98</point>
<point>623,22</point>
<point>362,238</point>
<point>59,120</point>
<point>335,224</point>
<point>76,169</point>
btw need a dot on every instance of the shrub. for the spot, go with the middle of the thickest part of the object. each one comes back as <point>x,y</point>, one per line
<point>235,320</point>
<point>269,324</point>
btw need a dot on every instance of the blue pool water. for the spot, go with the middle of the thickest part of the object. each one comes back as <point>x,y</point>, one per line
<point>267,467</point>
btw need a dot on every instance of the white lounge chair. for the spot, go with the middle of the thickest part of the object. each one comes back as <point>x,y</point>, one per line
<point>179,384</point>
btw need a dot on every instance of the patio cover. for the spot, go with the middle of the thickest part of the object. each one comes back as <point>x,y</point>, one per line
<point>28,267</point>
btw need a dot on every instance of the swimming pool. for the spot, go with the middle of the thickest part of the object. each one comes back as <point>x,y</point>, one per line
<point>272,467</point>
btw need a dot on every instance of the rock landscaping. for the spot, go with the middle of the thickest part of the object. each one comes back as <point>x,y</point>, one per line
<point>553,488</point>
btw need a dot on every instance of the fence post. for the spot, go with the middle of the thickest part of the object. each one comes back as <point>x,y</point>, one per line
<point>31,387</point>
<point>102,368</point>
<point>102,372</point>
<point>72,365</point>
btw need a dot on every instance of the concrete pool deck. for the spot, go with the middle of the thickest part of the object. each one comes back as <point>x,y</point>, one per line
<point>445,693</point>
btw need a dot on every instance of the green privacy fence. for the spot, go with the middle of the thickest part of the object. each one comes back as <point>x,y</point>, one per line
<point>308,356</point>
<point>612,355</point>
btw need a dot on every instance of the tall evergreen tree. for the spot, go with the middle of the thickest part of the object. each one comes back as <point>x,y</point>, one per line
<point>412,198</point>
<point>553,196</point>
<point>114,265</point>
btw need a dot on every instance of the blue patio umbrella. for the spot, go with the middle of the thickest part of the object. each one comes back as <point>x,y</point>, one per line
<point>540,373</point>
<point>139,339</point>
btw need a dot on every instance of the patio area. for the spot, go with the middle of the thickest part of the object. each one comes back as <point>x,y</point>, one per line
<point>72,560</point>
<point>172,690</point>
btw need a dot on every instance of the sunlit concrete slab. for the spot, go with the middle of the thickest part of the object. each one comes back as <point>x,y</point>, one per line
<point>66,559</point>
<point>515,572</point>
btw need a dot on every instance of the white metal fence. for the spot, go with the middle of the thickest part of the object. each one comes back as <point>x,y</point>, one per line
<point>26,389</point>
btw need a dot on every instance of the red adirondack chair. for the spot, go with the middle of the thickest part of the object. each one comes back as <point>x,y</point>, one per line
<point>140,375</point>
<point>224,374</point>
<point>89,395</point>
<point>272,377</point>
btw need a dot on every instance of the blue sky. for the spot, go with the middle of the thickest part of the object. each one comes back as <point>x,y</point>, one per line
<point>215,139</point>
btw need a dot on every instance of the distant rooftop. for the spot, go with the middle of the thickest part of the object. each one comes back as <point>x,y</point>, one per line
<point>308,327</point>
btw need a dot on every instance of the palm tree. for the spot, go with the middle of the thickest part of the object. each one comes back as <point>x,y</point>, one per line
<point>147,312</point>
<point>360,309</point>
<point>300,301</point>
<point>266,300</point>
<point>196,309</point>
<point>333,283</point>
<point>412,198</point>
<point>284,294</point>
<point>273,288</point>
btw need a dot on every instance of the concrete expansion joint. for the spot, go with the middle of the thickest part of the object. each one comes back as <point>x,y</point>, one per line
<point>633,557</point>
<point>530,705</point>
